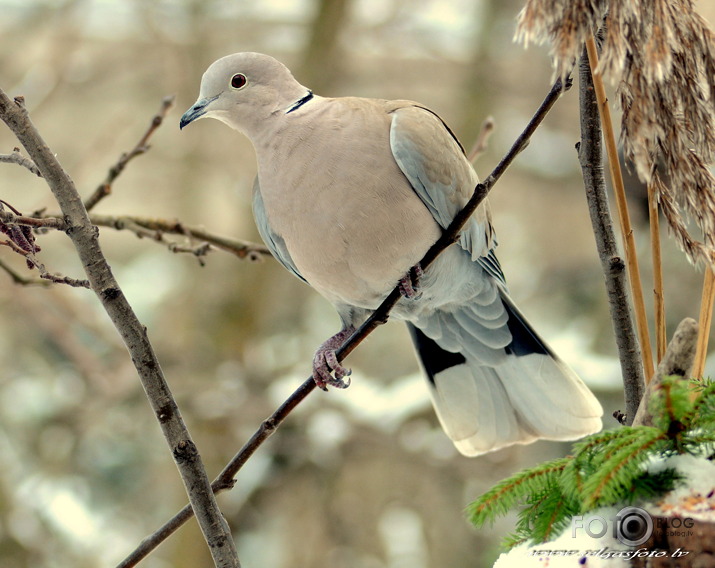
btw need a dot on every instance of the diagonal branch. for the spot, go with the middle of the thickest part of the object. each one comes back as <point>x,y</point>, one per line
<point>84,237</point>
<point>268,427</point>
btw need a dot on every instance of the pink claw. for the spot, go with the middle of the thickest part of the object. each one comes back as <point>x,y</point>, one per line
<point>410,283</point>
<point>327,370</point>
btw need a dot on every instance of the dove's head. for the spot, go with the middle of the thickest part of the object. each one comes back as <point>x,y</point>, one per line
<point>243,90</point>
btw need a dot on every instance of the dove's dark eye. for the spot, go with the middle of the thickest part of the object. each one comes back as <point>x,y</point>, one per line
<point>238,80</point>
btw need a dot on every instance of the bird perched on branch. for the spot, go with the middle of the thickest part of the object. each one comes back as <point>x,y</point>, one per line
<point>350,194</point>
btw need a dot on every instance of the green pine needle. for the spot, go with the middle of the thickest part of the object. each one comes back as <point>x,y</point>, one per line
<point>606,468</point>
<point>512,491</point>
<point>611,482</point>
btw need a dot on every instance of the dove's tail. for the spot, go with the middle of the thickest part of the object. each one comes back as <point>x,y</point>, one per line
<point>522,394</point>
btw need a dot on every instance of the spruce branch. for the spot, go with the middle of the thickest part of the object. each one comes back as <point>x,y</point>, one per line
<point>607,468</point>
<point>512,491</point>
<point>611,481</point>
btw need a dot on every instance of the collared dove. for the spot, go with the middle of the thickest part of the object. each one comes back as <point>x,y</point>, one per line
<point>350,194</point>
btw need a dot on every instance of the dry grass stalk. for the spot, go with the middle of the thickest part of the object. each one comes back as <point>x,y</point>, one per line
<point>706,314</point>
<point>661,339</point>
<point>661,54</point>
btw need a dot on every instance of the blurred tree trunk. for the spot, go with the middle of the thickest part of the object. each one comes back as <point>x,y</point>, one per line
<point>322,57</point>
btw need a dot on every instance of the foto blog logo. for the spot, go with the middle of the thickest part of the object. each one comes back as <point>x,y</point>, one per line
<point>632,526</point>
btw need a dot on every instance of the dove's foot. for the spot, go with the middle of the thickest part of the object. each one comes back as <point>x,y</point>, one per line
<point>410,283</point>
<point>327,370</point>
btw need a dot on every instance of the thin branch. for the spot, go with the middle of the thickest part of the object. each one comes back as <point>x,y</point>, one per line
<point>480,144</point>
<point>629,242</point>
<point>661,338</point>
<point>705,321</point>
<point>32,262</point>
<point>34,222</point>
<point>84,237</point>
<point>153,228</point>
<point>20,160</point>
<point>21,280</point>
<point>590,154</point>
<point>105,188</point>
<point>268,427</point>
<point>241,249</point>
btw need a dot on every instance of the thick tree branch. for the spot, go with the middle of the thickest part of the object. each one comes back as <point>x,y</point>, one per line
<point>268,427</point>
<point>84,236</point>
<point>590,153</point>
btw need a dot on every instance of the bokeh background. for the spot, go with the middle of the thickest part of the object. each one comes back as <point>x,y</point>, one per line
<point>357,479</point>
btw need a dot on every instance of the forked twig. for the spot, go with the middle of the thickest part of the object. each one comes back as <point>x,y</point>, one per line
<point>380,316</point>
<point>105,188</point>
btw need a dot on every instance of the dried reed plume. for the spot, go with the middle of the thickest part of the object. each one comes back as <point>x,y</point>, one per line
<point>661,54</point>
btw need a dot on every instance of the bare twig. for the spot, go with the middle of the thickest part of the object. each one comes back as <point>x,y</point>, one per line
<point>34,222</point>
<point>84,236</point>
<point>590,157</point>
<point>242,249</point>
<point>629,242</point>
<point>44,274</point>
<point>380,316</point>
<point>153,228</point>
<point>105,188</point>
<point>677,361</point>
<point>19,159</point>
<point>480,144</point>
<point>21,280</point>
<point>705,321</point>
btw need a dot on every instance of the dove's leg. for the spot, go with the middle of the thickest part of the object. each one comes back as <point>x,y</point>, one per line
<point>410,283</point>
<point>327,370</point>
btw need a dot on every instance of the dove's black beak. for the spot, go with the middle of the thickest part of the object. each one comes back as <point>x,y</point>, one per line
<point>196,111</point>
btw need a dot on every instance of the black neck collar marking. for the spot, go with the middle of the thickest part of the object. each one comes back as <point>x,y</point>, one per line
<point>300,102</point>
